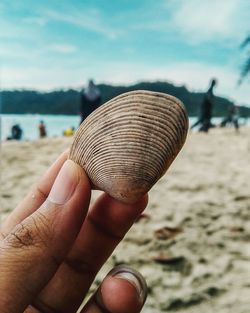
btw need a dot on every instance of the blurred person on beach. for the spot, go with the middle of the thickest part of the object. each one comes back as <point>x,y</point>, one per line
<point>232,117</point>
<point>16,132</point>
<point>42,130</point>
<point>68,132</point>
<point>90,100</point>
<point>206,109</point>
<point>52,246</point>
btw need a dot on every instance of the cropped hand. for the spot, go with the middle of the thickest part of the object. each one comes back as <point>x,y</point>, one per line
<point>53,245</point>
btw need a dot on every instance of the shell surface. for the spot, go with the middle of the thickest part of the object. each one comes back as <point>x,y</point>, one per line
<point>128,143</point>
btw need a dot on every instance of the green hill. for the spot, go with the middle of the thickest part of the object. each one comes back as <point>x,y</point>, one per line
<point>67,101</point>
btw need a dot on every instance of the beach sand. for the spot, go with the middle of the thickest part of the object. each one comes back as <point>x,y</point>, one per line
<point>193,248</point>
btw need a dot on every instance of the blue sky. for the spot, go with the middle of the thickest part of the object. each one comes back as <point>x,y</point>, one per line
<point>53,44</point>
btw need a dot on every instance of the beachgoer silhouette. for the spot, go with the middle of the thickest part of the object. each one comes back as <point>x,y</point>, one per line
<point>42,129</point>
<point>90,100</point>
<point>232,117</point>
<point>16,132</point>
<point>206,109</point>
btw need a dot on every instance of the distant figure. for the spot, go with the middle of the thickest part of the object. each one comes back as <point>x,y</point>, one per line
<point>206,109</point>
<point>69,131</point>
<point>16,133</point>
<point>90,100</point>
<point>232,117</point>
<point>42,130</point>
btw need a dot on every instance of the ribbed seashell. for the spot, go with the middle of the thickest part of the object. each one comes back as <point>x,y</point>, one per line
<point>128,143</point>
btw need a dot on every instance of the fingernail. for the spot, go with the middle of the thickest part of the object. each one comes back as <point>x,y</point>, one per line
<point>65,183</point>
<point>133,277</point>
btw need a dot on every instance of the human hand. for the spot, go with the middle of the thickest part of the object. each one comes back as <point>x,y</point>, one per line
<point>52,246</point>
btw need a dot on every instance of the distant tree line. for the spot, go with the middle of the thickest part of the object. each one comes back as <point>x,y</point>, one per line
<point>68,102</point>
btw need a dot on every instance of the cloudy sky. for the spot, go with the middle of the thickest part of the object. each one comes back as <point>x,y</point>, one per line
<point>59,44</point>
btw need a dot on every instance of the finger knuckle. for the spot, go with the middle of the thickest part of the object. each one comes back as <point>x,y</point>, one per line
<point>32,232</point>
<point>39,192</point>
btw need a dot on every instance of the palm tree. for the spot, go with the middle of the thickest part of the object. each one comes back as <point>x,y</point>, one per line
<point>246,66</point>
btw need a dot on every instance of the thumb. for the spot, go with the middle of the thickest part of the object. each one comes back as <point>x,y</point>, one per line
<point>123,290</point>
<point>31,253</point>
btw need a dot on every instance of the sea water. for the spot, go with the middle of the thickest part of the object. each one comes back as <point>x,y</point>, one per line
<point>55,124</point>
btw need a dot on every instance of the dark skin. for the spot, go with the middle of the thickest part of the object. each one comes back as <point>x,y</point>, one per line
<point>53,245</point>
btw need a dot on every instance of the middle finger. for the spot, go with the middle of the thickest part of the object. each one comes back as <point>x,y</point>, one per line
<point>104,227</point>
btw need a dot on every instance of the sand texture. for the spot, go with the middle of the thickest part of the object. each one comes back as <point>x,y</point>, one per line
<point>193,246</point>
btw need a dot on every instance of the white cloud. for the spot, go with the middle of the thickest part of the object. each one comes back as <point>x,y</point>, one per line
<point>87,19</point>
<point>62,48</point>
<point>33,77</point>
<point>17,31</point>
<point>15,52</point>
<point>18,53</point>
<point>210,20</point>
<point>7,51</point>
<point>36,20</point>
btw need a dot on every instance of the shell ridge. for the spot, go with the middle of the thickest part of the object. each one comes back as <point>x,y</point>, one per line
<point>128,143</point>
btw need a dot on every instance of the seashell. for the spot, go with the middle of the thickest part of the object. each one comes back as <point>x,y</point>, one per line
<point>128,143</point>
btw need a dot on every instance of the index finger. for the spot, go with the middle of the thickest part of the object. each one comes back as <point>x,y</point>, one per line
<point>31,253</point>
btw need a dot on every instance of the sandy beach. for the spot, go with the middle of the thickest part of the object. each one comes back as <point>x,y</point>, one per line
<point>193,244</point>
